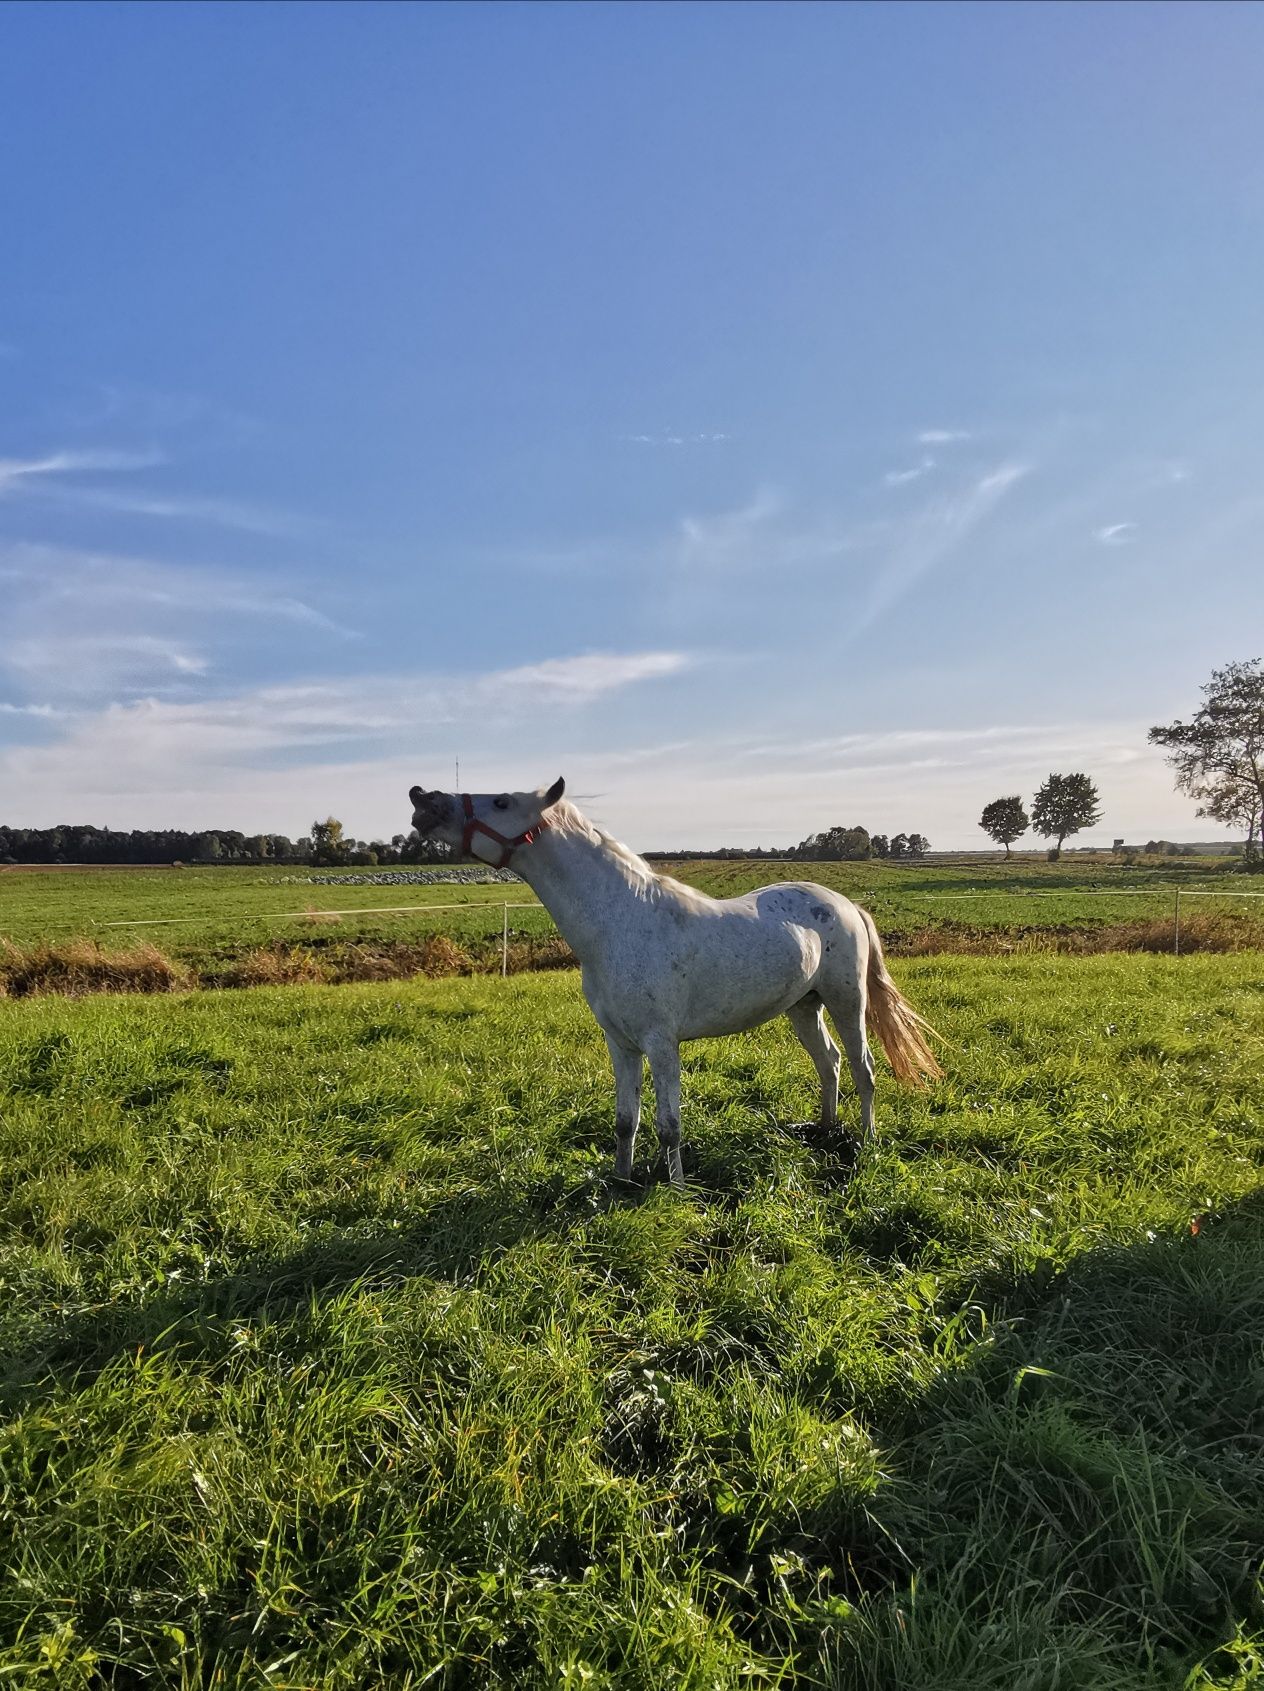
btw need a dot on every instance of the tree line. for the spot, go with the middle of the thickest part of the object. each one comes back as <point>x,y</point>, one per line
<point>832,845</point>
<point>325,844</point>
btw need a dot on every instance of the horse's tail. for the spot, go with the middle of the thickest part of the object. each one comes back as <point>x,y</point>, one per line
<point>896,1023</point>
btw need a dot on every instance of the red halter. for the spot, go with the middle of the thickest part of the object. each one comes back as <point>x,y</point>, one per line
<point>475,825</point>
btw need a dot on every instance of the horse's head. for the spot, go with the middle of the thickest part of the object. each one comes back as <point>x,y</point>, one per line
<point>475,822</point>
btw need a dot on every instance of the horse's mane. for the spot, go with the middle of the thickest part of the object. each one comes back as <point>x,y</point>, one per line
<point>645,882</point>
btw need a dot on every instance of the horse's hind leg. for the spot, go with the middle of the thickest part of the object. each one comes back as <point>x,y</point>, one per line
<point>848,1013</point>
<point>807,1018</point>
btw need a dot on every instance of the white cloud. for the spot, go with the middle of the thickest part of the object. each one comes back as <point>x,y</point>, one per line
<point>1116,534</point>
<point>942,437</point>
<point>587,676</point>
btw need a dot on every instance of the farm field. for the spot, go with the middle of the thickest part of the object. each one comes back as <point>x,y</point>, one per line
<point>331,1359</point>
<point>230,926</point>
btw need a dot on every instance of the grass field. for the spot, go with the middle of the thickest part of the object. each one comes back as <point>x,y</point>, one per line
<point>332,1361</point>
<point>236,926</point>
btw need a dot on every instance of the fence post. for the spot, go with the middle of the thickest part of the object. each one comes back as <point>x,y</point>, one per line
<point>504,945</point>
<point>1176,926</point>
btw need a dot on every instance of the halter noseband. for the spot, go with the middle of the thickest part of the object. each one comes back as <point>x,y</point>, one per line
<point>476,825</point>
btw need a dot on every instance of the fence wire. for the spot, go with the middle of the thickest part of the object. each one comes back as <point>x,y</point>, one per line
<point>506,905</point>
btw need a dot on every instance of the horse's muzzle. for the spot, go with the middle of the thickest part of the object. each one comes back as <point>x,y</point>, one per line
<point>429,809</point>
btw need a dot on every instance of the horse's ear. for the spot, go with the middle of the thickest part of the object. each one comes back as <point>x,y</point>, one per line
<point>554,793</point>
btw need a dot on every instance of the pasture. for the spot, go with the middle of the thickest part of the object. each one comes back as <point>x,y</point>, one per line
<point>231,926</point>
<point>331,1358</point>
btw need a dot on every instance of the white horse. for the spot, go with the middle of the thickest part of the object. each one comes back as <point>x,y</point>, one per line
<point>662,962</point>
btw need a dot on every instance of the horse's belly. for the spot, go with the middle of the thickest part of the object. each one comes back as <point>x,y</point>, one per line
<point>737,994</point>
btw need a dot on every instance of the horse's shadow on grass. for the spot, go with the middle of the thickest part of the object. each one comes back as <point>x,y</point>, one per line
<point>451,1239</point>
<point>1096,1432</point>
<point>1086,1460</point>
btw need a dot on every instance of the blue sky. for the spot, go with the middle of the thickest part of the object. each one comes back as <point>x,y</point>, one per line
<point>766,416</point>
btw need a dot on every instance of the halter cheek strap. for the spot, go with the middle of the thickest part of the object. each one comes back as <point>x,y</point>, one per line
<point>476,825</point>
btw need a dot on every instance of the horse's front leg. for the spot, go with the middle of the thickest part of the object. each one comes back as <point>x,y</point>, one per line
<point>628,1064</point>
<point>664,1056</point>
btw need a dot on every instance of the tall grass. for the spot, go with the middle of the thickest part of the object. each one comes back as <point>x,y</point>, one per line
<point>331,1358</point>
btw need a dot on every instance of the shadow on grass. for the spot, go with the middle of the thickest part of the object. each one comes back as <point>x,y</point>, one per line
<point>1073,1485</point>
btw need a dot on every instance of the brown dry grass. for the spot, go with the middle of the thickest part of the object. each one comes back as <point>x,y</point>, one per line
<point>276,965</point>
<point>1216,931</point>
<point>79,966</point>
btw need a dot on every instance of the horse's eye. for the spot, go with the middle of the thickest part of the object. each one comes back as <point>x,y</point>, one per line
<point>501,803</point>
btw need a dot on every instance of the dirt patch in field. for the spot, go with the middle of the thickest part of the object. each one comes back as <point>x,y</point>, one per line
<point>80,966</point>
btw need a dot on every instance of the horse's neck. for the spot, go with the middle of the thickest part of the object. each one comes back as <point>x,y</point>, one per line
<point>582,884</point>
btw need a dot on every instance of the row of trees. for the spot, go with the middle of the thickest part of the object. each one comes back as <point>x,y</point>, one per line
<point>1064,805</point>
<point>1218,757</point>
<point>849,844</point>
<point>326,844</point>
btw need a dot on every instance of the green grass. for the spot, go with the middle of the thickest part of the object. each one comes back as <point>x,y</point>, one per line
<point>331,1360</point>
<point>209,919</point>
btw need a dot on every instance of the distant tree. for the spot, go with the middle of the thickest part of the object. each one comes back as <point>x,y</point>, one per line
<point>918,845</point>
<point>327,841</point>
<point>835,844</point>
<point>881,845</point>
<point>899,845</point>
<point>1218,755</point>
<point>1005,820</point>
<point>1065,805</point>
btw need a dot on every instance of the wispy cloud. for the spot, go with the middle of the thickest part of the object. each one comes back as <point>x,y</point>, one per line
<point>897,478</point>
<point>942,437</point>
<point>276,757</point>
<point>85,666</point>
<point>45,711</point>
<point>59,585</point>
<point>719,542</point>
<point>578,679</point>
<point>17,473</point>
<point>1116,534</point>
<point>671,438</point>
<point>247,752</point>
<point>155,413</point>
<point>223,513</point>
<point>934,534</point>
